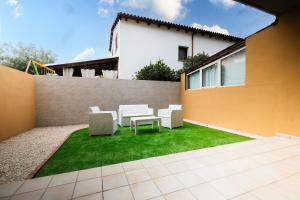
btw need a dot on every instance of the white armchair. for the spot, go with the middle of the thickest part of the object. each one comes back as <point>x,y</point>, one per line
<point>172,117</point>
<point>102,122</point>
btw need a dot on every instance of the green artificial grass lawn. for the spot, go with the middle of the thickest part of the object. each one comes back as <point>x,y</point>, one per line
<point>82,151</point>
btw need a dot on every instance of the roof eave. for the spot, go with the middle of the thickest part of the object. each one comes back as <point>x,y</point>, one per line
<point>70,64</point>
<point>253,5</point>
<point>171,25</point>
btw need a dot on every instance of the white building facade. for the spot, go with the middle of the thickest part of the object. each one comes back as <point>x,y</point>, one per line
<point>137,41</point>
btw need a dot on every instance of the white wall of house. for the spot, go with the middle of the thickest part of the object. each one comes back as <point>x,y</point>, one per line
<point>209,45</point>
<point>140,44</point>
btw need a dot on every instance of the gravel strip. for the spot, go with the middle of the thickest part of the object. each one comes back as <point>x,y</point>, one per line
<point>21,154</point>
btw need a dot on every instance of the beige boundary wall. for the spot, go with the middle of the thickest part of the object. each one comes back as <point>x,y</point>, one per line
<point>17,102</point>
<point>65,100</point>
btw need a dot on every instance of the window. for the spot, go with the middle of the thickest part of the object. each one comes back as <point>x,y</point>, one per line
<point>209,76</point>
<point>194,80</point>
<point>182,53</point>
<point>227,71</point>
<point>233,69</point>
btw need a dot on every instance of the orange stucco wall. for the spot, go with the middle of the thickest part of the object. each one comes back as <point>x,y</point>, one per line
<point>269,103</point>
<point>17,102</point>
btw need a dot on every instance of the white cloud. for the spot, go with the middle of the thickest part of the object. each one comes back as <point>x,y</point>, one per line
<point>102,11</point>
<point>224,3</point>
<point>214,28</point>
<point>17,11</point>
<point>109,2</point>
<point>166,9</point>
<point>136,4</point>
<point>17,8</point>
<point>85,54</point>
<point>13,2</point>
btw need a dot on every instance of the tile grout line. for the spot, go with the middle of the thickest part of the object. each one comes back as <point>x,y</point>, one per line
<point>265,185</point>
<point>75,185</point>
<point>189,189</point>
<point>246,156</point>
<point>161,193</point>
<point>251,168</point>
<point>173,174</point>
<point>206,181</point>
<point>131,192</point>
<point>85,180</point>
<point>278,161</point>
<point>226,151</point>
<point>198,168</point>
<point>32,190</point>
<point>102,183</point>
<point>129,185</point>
<point>184,188</point>
<point>46,187</point>
<point>263,165</point>
<point>17,189</point>
<point>271,143</point>
<point>219,146</point>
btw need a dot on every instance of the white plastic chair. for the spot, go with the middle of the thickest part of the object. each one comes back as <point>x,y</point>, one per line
<point>172,117</point>
<point>102,122</point>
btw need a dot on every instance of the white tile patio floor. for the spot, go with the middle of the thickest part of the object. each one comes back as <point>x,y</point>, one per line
<point>267,168</point>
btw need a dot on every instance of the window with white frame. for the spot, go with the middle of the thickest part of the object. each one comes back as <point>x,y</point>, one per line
<point>194,80</point>
<point>226,71</point>
<point>209,76</point>
<point>233,69</point>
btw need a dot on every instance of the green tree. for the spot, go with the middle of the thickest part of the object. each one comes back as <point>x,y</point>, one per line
<point>158,71</point>
<point>195,60</point>
<point>17,56</point>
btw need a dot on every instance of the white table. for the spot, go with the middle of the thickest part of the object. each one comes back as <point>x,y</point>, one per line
<point>134,121</point>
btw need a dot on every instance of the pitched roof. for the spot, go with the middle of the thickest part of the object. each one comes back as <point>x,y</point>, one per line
<point>218,55</point>
<point>159,23</point>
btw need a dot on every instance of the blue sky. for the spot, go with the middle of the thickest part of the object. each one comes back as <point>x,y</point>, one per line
<point>79,29</point>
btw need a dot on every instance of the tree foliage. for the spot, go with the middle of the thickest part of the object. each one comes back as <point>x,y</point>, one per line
<point>195,60</point>
<point>17,56</point>
<point>158,71</point>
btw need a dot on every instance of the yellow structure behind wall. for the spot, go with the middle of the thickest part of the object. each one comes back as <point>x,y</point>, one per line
<point>269,103</point>
<point>17,102</point>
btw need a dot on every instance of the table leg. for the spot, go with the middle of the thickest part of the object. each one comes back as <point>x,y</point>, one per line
<point>130,125</point>
<point>159,125</point>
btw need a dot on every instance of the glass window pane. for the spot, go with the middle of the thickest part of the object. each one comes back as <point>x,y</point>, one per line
<point>194,80</point>
<point>233,69</point>
<point>209,76</point>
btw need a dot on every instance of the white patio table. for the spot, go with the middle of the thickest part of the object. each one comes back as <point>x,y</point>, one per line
<point>134,121</point>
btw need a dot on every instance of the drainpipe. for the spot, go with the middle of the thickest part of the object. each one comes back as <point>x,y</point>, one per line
<point>193,47</point>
